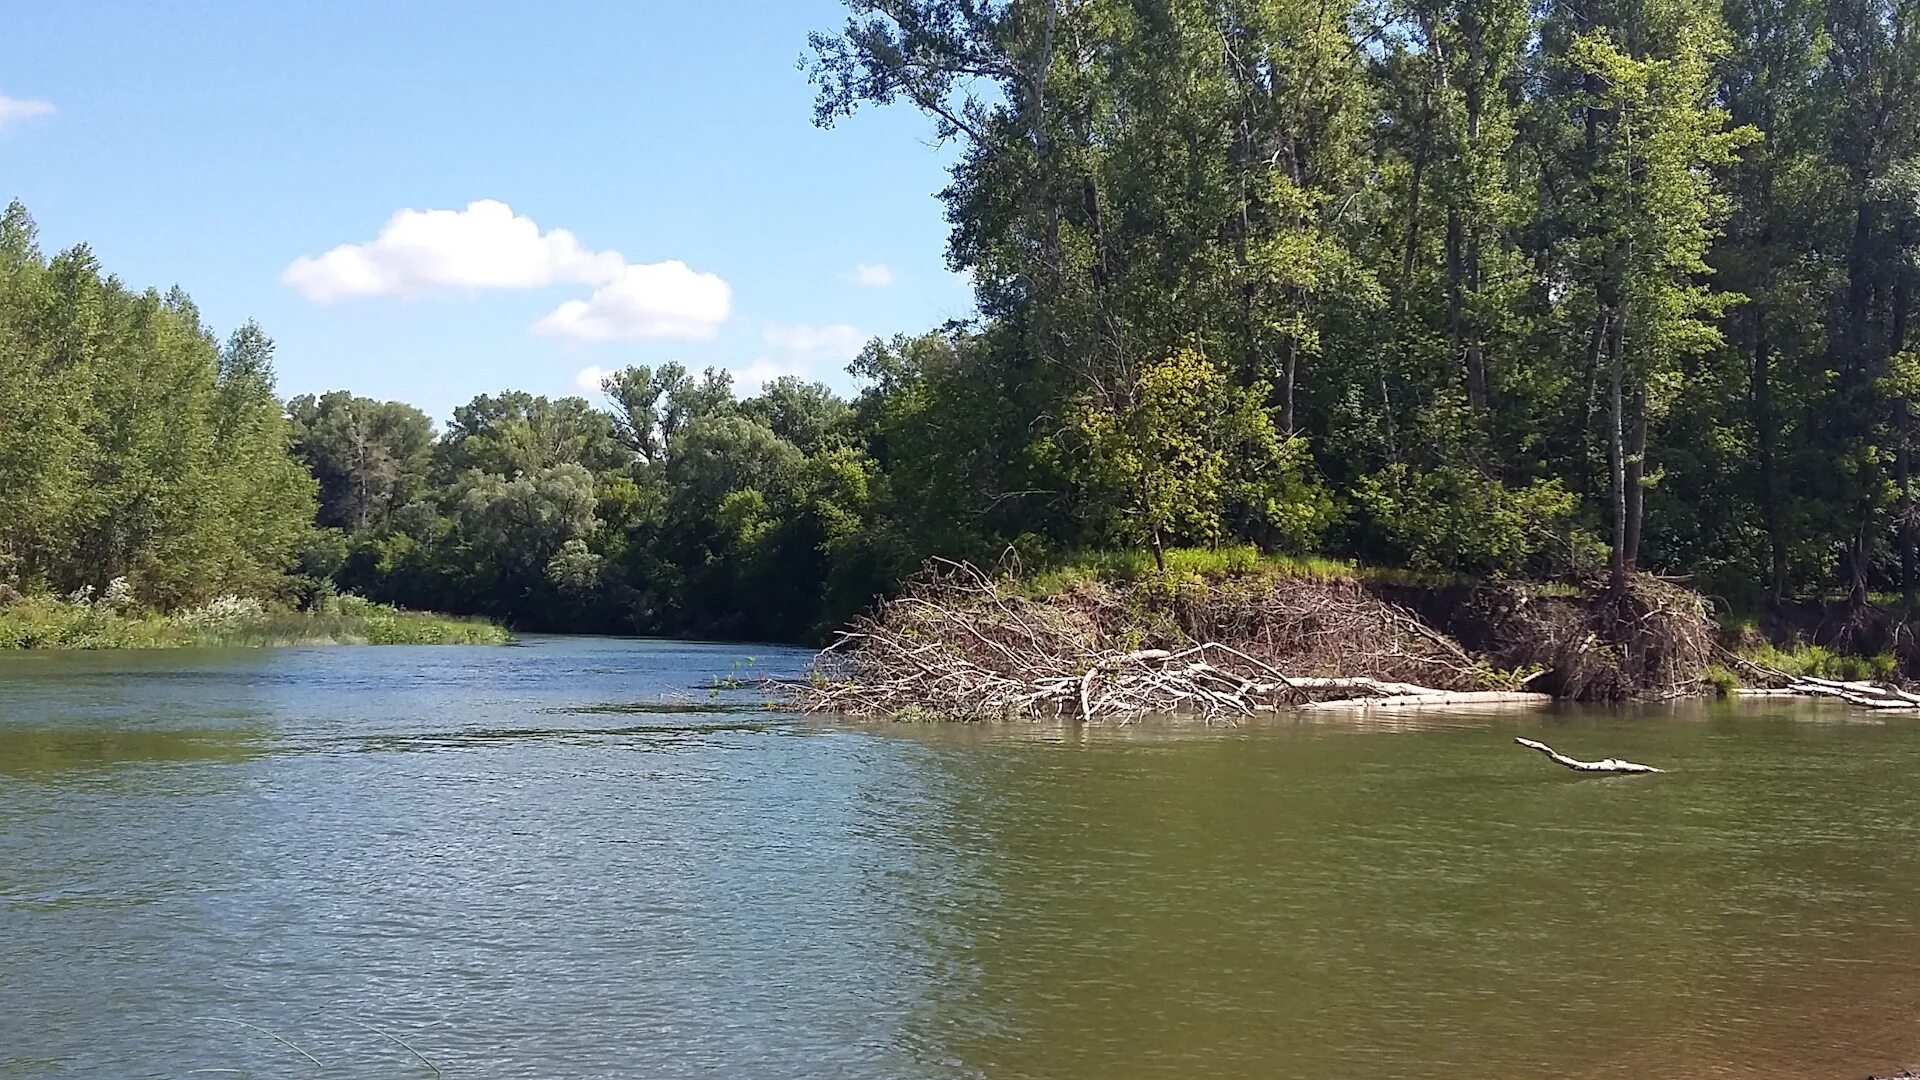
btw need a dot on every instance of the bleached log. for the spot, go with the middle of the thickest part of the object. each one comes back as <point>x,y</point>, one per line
<point>1429,699</point>
<point>1363,683</point>
<point>1864,694</point>
<point>1605,765</point>
<point>1865,702</point>
<point>1871,688</point>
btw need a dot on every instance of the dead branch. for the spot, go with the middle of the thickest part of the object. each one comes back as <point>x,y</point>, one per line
<point>1605,765</point>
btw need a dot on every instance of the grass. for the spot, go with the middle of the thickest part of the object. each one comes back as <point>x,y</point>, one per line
<point>1823,663</point>
<point>1203,564</point>
<point>1183,564</point>
<point>41,622</point>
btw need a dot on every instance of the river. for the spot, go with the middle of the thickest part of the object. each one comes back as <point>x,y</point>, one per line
<point>558,860</point>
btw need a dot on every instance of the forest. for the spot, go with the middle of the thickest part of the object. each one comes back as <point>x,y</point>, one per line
<point>1475,288</point>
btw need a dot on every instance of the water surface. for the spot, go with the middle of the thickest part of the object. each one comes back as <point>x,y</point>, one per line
<point>563,859</point>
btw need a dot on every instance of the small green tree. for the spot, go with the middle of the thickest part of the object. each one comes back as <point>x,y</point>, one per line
<point>1172,455</point>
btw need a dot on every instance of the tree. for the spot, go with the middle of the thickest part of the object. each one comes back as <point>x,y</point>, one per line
<point>131,445</point>
<point>1180,446</point>
<point>516,432</point>
<point>369,457</point>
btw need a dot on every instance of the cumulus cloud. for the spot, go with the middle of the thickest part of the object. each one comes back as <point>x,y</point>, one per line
<point>485,246</point>
<point>646,300</point>
<point>488,246</point>
<point>589,378</point>
<point>835,342</point>
<point>752,378</point>
<point>19,110</point>
<point>873,275</point>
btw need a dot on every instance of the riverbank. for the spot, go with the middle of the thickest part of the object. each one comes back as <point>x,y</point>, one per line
<point>39,622</point>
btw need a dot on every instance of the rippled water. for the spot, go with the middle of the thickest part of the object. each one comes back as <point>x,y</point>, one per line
<point>559,860</point>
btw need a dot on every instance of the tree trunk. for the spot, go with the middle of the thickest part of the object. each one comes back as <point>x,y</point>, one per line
<point>1903,502</point>
<point>1596,346</point>
<point>1463,244</point>
<point>1767,437</point>
<point>1860,562</point>
<point>1859,287</point>
<point>1636,470</point>
<point>1902,410</point>
<point>1616,451</point>
<point>1287,374</point>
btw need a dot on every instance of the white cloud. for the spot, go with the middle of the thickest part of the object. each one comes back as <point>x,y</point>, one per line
<point>873,275</point>
<point>752,378</point>
<point>646,300</point>
<point>589,377</point>
<point>16,110</point>
<point>838,342</point>
<point>485,246</point>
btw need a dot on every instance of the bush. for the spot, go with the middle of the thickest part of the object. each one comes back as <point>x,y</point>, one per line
<point>1457,520</point>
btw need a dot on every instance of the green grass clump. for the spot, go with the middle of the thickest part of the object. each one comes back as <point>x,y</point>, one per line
<point>42,622</point>
<point>1183,565</point>
<point>1821,662</point>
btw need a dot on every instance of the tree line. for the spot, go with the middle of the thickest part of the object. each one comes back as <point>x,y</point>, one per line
<point>1498,286</point>
<point>1482,287</point>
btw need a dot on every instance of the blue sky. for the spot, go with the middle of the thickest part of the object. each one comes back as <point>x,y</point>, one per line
<point>704,219</point>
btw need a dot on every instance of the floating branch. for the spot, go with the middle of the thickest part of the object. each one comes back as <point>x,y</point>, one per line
<point>1608,765</point>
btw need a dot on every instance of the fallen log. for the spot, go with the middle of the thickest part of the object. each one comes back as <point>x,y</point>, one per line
<point>1865,702</point>
<point>1865,695</point>
<point>1605,765</point>
<point>1434,699</point>
<point>1865,689</point>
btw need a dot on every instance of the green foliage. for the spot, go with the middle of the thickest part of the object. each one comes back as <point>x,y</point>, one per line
<point>1723,681</point>
<point>1264,286</point>
<point>1177,451</point>
<point>1823,663</point>
<point>230,622</point>
<point>131,444</point>
<point>1185,564</point>
<point>369,457</point>
<point>1455,519</point>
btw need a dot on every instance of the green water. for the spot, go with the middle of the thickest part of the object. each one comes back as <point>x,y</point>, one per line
<point>558,861</point>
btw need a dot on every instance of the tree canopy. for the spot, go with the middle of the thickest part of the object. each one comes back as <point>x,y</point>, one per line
<point>1465,286</point>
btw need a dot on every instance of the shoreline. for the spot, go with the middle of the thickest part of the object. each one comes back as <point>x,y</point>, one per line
<point>1257,637</point>
<point>48,624</point>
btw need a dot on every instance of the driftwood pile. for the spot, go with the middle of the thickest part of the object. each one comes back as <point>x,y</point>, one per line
<point>960,644</point>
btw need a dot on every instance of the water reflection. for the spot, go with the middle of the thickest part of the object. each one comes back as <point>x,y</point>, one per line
<point>43,753</point>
